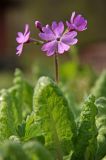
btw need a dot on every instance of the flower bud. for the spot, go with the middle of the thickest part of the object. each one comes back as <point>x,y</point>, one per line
<point>38,25</point>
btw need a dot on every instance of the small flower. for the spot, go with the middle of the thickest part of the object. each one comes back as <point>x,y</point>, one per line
<point>22,38</point>
<point>38,25</point>
<point>58,41</point>
<point>77,22</point>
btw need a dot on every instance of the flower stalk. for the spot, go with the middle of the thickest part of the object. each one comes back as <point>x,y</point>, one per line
<point>56,68</point>
<point>36,41</point>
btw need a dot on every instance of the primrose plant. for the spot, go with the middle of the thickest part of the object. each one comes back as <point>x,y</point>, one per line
<point>56,38</point>
<point>44,123</point>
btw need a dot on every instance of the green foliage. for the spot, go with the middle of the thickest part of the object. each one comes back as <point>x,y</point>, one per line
<point>101,139</point>
<point>14,103</point>
<point>30,129</point>
<point>85,146</point>
<point>22,93</point>
<point>38,124</point>
<point>6,115</point>
<point>57,121</point>
<point>99,90</point>
<point>101,125</point>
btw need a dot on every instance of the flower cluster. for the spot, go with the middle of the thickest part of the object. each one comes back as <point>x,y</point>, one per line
<point>56,38</point>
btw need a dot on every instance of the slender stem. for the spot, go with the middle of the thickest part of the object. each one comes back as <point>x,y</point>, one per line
<point>56,68</point>
<point>36,41</point>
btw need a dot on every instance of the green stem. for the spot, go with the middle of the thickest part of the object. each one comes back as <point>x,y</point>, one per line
<point>56,68</point>
<point>36,41</point>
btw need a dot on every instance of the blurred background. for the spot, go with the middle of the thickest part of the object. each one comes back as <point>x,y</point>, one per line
<point>87,59</point>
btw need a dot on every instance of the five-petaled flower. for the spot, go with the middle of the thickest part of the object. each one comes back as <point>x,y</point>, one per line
<point>77,22</point>
<point>57,41</point>
<point>22,38</point>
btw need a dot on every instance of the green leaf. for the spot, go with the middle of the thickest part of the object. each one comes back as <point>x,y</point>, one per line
<point>56,119</point>
<point>17,94</point>
<point>101,125</point>
<point>86,141</point>
<point>7,125</point>
<point>101,104</point>
<point>32,129</point>
<point>17,103</point>
<point>22,93</point>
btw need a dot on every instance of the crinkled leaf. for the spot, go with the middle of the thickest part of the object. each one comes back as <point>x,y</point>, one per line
<point>56,119</point>
<point>22,93</point>
<point>101,104</point>
<point>30,129</point>
<point>7,125</point>
<point>86,141</point>
<point>101,125</point>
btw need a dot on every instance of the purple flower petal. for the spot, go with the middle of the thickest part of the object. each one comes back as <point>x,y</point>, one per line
<point>20,34</point>
<point>72,34</point>
<point>19,49</point>
<point>19,40</point>
<point>47,34</point>
<point>62,47</point>
<point>50,47</point>
<point>54,25</point>
<point>69,39</point>
<point>68,24</point>
<point>47,29</point>
<point>47,37</point>
<point>78,20</point>
<point>26,38</point>
<point>58,30</point>
<point>20,37</point>
<point>82,27</point>
<point>72,17</point>
<point>26,29</point>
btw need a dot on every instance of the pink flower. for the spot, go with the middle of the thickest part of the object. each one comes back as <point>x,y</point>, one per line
<point>57,41</point>
<point>22,38</point>
<point>77,22</point>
